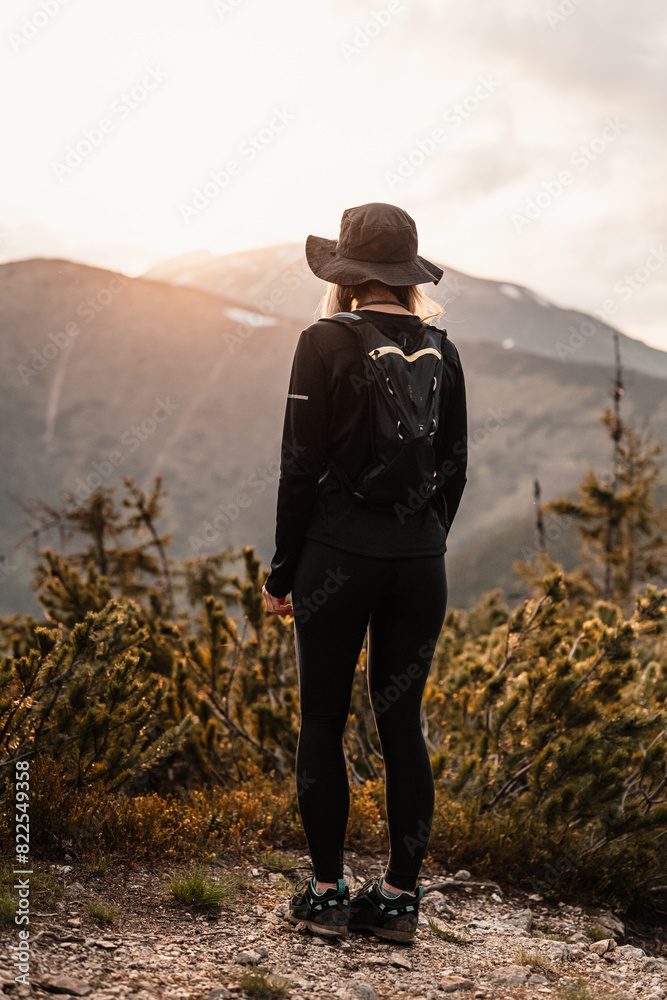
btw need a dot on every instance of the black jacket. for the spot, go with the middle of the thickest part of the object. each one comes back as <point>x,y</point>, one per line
<point>327,414</point>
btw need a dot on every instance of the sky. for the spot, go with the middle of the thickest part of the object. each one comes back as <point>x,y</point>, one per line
<point>525,137</point>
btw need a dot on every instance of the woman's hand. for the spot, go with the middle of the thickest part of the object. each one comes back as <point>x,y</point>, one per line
<point>276,604</point>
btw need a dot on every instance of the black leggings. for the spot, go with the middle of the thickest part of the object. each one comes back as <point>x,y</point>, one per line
<point>336,596</point>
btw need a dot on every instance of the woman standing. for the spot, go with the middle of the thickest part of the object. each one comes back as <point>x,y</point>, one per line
<point>360,545</point>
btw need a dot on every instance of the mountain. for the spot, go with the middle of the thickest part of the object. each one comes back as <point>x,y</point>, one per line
<point>22,237</point>
<point>277,281</point>
<point>104,376</point>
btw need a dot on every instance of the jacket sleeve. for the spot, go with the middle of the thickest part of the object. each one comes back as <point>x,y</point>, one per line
<point>302,460</point>
<point>452,449</point>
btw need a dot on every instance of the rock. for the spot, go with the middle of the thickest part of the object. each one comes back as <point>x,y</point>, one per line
<point>74,922</point>
<point>655,965</point>
<point>451,984</point>
<point>220,994</point>
<point>536,980</point>
<point>536,898</point>
<point>509,975</point>
<point>398,959</point>
<point>65,984</point>
<point>611,922</point>
<point>522,920</point>
<point>579,938</point>
<point>249,957</point>
<point>626,951</point>
<point>281,910</point>
<point>364,991</point>
<point>602,947</point>
<point>462,875</point>
<point>560,951</point>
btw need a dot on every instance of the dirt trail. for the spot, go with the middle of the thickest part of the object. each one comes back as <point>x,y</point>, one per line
<point>495,945</point>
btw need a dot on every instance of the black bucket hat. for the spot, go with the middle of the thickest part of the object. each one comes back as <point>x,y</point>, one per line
<point>376,241</point>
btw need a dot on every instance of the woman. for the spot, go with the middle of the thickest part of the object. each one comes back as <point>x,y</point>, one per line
<point>351,564</point>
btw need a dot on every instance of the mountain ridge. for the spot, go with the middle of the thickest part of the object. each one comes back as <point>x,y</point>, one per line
<point>278,279</point>
<point>172,381</point>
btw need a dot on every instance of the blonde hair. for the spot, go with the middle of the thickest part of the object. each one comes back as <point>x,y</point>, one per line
<point>339,298</point>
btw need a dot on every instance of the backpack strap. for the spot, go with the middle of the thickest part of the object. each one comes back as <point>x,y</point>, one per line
<point>344,318</point>
<point>346,315</point>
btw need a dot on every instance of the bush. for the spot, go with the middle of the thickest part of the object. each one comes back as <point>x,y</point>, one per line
<point>157,729</point>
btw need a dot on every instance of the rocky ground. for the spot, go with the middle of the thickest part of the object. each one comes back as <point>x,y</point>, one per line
<point>474,941</point>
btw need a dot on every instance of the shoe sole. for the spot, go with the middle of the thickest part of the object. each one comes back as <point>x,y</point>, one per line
<point>383,932</point>
<point>319,928</point>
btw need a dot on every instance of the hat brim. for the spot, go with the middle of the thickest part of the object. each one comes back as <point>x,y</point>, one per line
<point>324,261</point>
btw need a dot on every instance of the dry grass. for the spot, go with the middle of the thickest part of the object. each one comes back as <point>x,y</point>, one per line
<point>277,861</point>
<point>549,935</point>
<point>581,990</point>
<point>98,909</point>
<point>45,890</point>
<point>595,933</point>
<point>99,865</point>
<point>8,908</point>
<point>194,888</point>
<point>534,959</point>
<point>258,984</point>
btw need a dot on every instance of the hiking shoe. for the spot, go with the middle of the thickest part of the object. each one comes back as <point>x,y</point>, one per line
<point>395,918</point>
<point>326,914</point>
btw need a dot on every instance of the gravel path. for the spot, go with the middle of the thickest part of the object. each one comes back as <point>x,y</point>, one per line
<point>495,946</point>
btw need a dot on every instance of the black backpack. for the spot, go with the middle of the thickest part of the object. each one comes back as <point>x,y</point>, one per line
<point>404,395</point>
